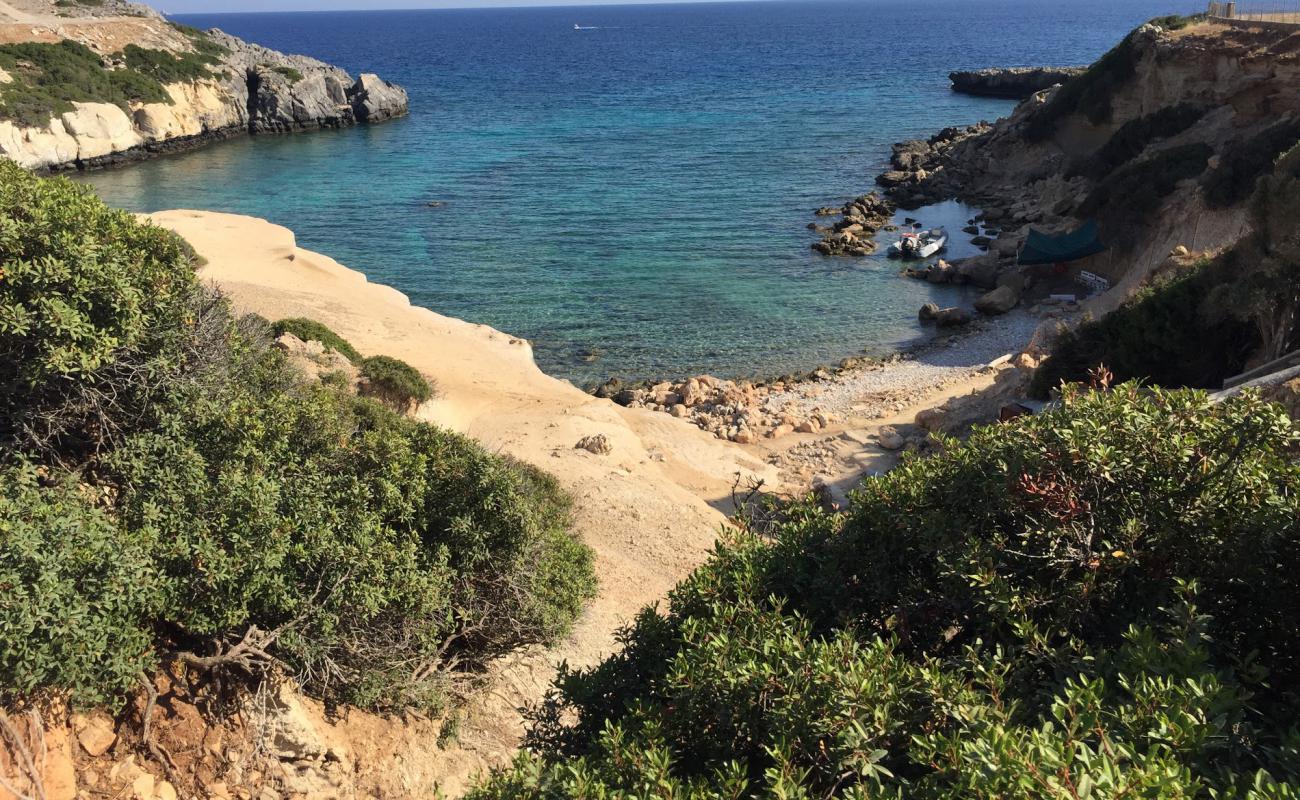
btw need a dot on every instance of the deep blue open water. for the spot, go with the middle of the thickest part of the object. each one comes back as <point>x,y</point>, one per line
<point>636,192</point>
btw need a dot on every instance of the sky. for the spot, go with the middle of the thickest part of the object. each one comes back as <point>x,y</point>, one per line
<point>222,6</point>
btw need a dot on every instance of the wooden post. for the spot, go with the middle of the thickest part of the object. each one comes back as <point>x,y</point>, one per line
<point>1232,10</point>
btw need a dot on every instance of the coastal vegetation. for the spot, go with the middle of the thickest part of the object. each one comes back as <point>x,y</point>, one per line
<point>395,382</point>
<point>289,72</point>
<point>1200,324</point>
<point>1092,93</point>
<point>309,330</point>
<point>1133,138</point>
<point>171,490</point>
<point>1126,199</point>
<point>1094,602</point>
<point>387,379</point>
<point>49,78</point>
<point>167,67</point>
<point>1244,162</point>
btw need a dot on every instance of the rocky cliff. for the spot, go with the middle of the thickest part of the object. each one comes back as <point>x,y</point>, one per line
<point>1161,141</point>
<point>1016,82</point>
<point>183,88</point>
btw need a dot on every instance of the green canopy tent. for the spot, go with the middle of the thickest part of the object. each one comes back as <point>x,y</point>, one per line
<point>1040,248</point>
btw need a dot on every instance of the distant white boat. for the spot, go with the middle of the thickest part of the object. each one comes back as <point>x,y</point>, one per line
<point>577,27</point>
<point>919,245</point>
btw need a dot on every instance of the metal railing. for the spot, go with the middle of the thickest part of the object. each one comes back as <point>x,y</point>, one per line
<point>1279,12</point>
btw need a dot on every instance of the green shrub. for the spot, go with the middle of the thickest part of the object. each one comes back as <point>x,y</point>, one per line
<point>198,491</point>
<point>386,539</point>
<point>77,594</point>
<point>1127,198</point>
<point>48,78</point>
<point>1163,334</point>
<point>292,74</point>
<point>1135,136</point>
<point>395,382</point>
<point>1094,602</point>
<point>1092,93</point>
<point>88,320</point>
<point>309,330</point>
<point>167,67</point>
<point>1245,161</point>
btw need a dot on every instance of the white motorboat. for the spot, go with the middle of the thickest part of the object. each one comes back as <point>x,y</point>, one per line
<point>919,245</point>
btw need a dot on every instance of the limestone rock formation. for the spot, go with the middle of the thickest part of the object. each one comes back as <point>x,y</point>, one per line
<point>252,89</point>
<point>1017,82</point>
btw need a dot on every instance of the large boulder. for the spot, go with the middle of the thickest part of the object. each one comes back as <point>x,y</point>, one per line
<point>1012,279</point>
<point>999,301</point>
<point>981,271</point>
<point>952,317</point>
<point>281,101</point>
<point>374,99</point>
<point>940,273</point>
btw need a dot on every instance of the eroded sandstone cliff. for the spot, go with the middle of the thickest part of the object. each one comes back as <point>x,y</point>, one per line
<point>245,88</point>
<point>1161,142</point>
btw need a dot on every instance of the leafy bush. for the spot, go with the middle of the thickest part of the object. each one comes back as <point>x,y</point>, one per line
<point>77,593</point>
<point>395,382</point>
<point>1135,136</point>
<point>292,74</point>
<point>309,330</point>
<point>1092,93</point>
<point>90,320</point>
<point>1245,161</point>
<point>1163,334</point>
<point>1014,618</point>
<point>386,545</point>
<point>48,78</point>
<point>166,67</point>
<point>1128,197</point>
<point>234,502</point>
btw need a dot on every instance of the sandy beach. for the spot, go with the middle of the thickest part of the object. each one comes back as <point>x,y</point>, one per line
<point>651,509</point>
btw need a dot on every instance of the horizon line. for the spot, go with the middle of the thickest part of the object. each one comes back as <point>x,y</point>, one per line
<point>503,7</point>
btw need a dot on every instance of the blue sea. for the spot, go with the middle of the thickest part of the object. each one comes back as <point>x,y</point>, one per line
<point>633,196</point>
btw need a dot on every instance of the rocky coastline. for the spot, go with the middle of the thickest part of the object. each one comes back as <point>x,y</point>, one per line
<point>244,89</point>
<point>1016,83</point>
<point>853,234</point>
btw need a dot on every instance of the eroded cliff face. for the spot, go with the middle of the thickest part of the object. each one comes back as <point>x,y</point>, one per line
<point>1146,143</point>
<point>252,90</point>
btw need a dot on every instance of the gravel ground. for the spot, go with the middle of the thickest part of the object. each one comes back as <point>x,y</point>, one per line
<point>884,389</point>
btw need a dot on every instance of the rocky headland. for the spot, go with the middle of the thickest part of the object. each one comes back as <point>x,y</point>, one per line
<point>1155,143</point>
<point>1017,83</point>
<point>133,85</point>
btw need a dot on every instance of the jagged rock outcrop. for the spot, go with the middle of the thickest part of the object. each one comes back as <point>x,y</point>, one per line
<point>252,90</point>
<point>1014,82</point>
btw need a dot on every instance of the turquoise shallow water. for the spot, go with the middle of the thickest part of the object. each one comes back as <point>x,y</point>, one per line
<point>637,191</point>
